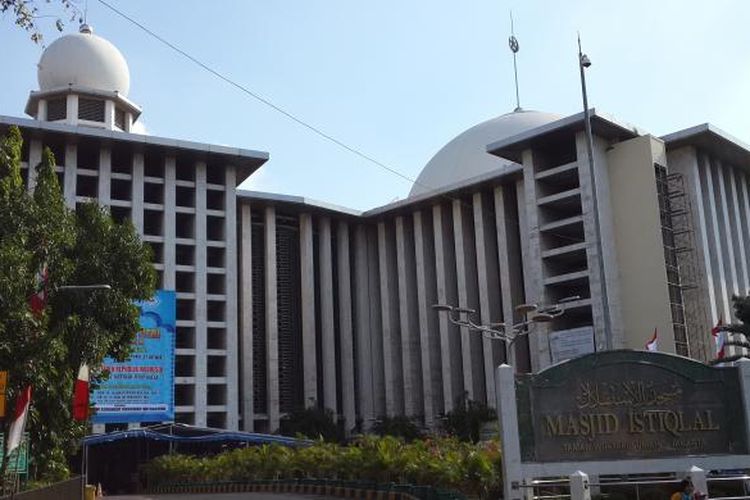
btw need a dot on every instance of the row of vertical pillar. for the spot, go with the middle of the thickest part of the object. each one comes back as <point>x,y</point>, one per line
<point>168,267</point>
<point>367,290</point>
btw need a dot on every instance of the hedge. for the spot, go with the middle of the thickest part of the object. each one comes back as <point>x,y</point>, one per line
<point>446,463</point>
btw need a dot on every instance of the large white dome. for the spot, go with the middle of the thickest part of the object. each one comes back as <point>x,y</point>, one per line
<point>83,59</point>
<point>466,155</point>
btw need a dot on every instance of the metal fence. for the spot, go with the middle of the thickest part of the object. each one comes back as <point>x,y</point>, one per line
<point>733,485</point>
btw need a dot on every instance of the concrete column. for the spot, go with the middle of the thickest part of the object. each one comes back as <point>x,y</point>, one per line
<point>507,412</point>
<point>742,213</point>
<point>531,284</point>
<point>363,336</point>
<point>487,277</point>
<point>346,333</point>
<point>109,114</point>
<point>727,231</point>
<point>136,211</point>
<point>170,222</point>
<point>429,342</point>
<point>230,275</point>
<point>698,478</point>
<point>201,310</point>
<point>450,347</point>
<point>327,325</point>
<point>105,175</point>
<point>466,272</point>
<point>408,319</point>
<point>738,228</point>
<point>272,321</point>
<point>35,158</point>
<point>376,322</point>
<point>510,264</point>
<point>71,109</point>
<point>246,317</point>
<point>389,308</point>
<point>579,486</point>
<point>606,231</point>
<point>593,256</point>
<point>307,285</point>
<point>715,243</point>
<point>697,179</point>
<point>700,305</point>
<point>71,174</point>
<point>41,110</point>
<point>743,366</point>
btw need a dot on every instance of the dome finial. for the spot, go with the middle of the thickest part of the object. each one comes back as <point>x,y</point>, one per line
<point>86,29</point>
<point>513,44</point>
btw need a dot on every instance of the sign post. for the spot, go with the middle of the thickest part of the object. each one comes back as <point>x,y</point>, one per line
<point>623,412</point>
<point>18,461</point>
<point>141,389</point>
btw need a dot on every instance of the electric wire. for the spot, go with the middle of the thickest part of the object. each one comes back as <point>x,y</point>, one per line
<point>291,116</point>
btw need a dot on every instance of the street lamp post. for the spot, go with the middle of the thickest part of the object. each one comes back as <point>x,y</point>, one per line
<point>507,332</point>
<point>583,63</point>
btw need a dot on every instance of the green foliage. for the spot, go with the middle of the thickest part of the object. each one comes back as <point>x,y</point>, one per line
<point>45,351</point>
<point>313,423</point>
<point>466,419</point>
<point>444,463</point>
<point>739,332</point>
<point>399,426</point>
<point>26,12</point>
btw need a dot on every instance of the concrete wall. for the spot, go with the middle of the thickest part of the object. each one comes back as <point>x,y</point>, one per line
<point>369,333</point>
<point>716,266</point>
<point>644,296</point>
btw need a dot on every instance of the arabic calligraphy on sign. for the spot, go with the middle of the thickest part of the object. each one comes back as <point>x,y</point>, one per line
<point>630,393</point>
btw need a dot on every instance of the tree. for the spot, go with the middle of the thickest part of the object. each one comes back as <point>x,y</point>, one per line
<point>739,333</point>
<point>45,350</point>
<point>26,14</point>
<point>399,426</point>
<point>314,423</point>
<point>466,419</point>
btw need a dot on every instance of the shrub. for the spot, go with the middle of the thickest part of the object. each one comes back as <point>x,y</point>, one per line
<point>313,423</point>
<point>399,426</point>
<point>466,419</point>
<point>442,462</point>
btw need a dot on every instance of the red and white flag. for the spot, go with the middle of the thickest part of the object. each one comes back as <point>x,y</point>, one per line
<point>653,344</point>
<point>81,394</point>
<point>15,435</point>
<point>38,301</point>
<point>720,338</point>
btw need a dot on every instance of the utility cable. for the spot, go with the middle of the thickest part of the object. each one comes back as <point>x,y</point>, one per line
<point>316,130</point>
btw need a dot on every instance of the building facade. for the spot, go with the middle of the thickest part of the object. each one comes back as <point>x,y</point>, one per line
<point>286,302</point>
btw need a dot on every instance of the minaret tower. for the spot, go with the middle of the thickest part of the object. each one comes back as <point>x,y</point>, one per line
<point>83,81</point>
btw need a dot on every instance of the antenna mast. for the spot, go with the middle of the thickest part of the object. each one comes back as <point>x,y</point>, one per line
<point>513,44</point>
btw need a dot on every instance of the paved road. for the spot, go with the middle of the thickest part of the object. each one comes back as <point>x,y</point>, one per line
<point>221,496</point>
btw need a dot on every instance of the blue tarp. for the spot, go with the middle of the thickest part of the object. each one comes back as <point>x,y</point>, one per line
<point>210,437</point>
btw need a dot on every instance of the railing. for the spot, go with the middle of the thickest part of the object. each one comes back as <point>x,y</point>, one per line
<point>539,486</point>
<point>325,487</point>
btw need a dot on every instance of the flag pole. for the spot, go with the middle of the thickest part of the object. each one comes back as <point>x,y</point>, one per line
<point>16,481</point>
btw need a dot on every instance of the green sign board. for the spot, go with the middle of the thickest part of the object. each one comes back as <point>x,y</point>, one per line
<point>630,404</point>
<point>18,461</point>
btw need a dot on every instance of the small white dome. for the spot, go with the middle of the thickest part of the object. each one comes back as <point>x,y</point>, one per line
<point>466,155</point>
<point>83,59</point>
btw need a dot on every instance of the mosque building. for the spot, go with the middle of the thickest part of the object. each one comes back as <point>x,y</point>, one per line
<point>285,302</point>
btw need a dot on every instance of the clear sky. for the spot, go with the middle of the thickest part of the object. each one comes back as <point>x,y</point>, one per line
<point>398,79</point>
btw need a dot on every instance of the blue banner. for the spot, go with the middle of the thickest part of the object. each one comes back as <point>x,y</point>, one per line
<point>141,389</point>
